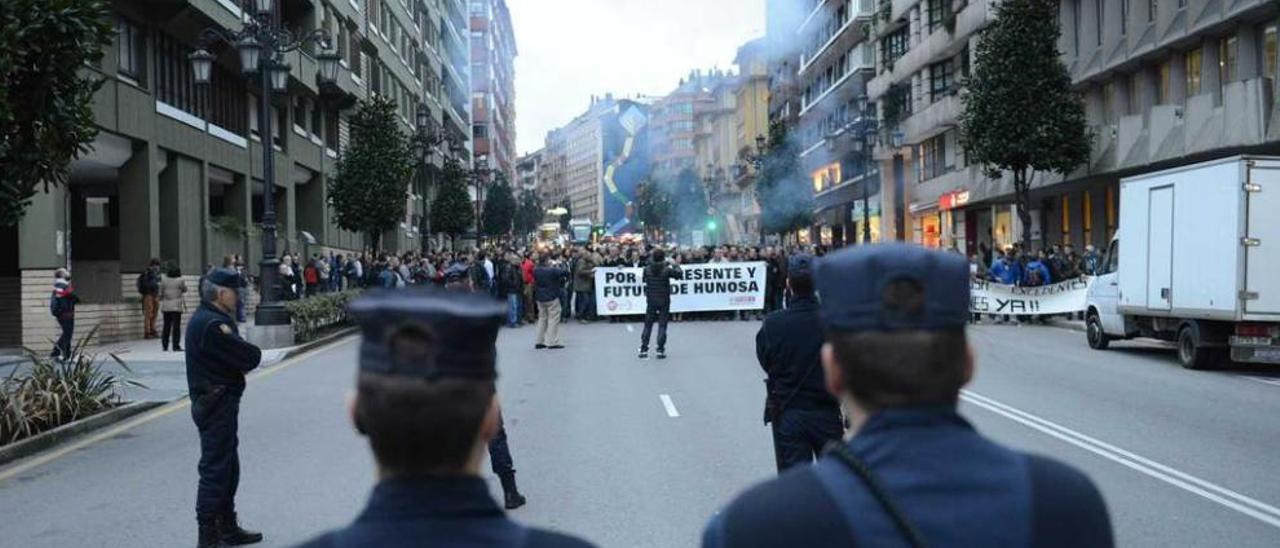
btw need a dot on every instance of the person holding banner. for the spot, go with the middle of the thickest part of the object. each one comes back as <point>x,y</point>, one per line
<point>657,288</point>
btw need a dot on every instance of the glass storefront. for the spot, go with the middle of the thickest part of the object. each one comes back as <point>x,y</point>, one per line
<point>929,230</point>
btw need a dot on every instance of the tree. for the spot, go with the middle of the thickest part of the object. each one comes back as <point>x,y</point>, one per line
<point>499,208</point>
<point>368,193</point>
<point>452,208</point>
<point>654,206</point>
<point>528,213</point>
<point>786,199</point>
<point>46,102</point>
<point>1020,112</point>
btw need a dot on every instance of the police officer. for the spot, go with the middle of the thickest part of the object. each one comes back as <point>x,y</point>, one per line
<point>425,399</point>
<point>915,473</point>
<point>804,416</point>
<point>217,360</point>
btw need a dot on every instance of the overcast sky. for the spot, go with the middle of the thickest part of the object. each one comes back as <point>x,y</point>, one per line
<point>570,50</point>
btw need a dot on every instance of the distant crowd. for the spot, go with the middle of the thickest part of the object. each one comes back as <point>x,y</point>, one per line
<point>1026,268</point>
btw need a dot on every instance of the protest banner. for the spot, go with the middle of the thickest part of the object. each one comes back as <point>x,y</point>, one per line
<point>705,288</point>
<point>1061,298</point>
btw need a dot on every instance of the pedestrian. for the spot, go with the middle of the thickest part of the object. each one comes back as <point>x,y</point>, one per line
<point>311,277</point>
<point>217,360</point>
<point>149,287</point>
<point>804,416</point>
<point>915,472</point>
<point>425,398</point>
<point>584,272</point>
<point>173,291</point>
<point>549,279</point>
<point>62,305</point>
<point>526,272</point>
<point>657,289</point>
<point>1090,261</point>
<point>242,290</point>
<point>510,288</point>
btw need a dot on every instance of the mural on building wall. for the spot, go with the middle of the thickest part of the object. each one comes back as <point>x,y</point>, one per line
<point>625,143</point>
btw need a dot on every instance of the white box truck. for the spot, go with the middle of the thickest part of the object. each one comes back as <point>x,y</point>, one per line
<point>1196,261</point>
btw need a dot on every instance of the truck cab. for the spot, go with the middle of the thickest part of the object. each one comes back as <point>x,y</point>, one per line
<point>1103,320</point>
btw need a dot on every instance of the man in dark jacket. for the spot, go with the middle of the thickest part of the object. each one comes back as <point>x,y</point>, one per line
<point>804,415</point>
<point>217,360</point>
<point>510,287</point>
<point>916,473</point>
<point>548,289</point>
<point>149,287</point>
<point>426,399</point>
<point>62,305</point>
<point>657,291</point>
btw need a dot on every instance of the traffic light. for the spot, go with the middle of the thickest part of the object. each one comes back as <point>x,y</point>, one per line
<point>711,225</point>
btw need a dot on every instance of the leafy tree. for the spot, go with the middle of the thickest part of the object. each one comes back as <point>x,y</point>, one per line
<point>786,199</point>
<point>499,212</point>
<point>654,206</point>
<point>529,213</point>
<point>452,208</point>
<point>1021,114</point>
<point>46,102</point>
<point>368,193</point>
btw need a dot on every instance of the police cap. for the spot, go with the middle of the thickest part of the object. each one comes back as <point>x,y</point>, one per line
<point>224,277</point>
<point>461,329</point>
<point>800,266</point>
<point>857,287</point>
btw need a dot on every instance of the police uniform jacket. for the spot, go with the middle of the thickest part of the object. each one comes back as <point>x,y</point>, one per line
<point>953,486</point>
<point>453,512</point>
<point>216,355</point>
<point>788,346</point>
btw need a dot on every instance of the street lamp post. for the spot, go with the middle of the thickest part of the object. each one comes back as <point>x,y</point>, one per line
<point>479,175</point>
<point>427,140</point>
<point>261,45</point>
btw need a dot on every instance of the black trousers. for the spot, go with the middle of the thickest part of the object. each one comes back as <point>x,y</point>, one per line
<point>172,331</point>
<point>660,313</point>
<point>216,415</point>
<point>62,348</point>
<point>500,453</point>
<point>799,435</point>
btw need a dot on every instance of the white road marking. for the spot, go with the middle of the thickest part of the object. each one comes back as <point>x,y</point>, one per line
<point>1249,506</point>
<point>671,407</point>
<point>1267,380</point>
<point>631,328</point>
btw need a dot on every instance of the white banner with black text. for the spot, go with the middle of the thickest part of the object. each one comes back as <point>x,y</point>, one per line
<point>1061,298</point>
<point>705,288</point>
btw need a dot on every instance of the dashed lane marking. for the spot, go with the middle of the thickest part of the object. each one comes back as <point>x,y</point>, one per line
<point>1245,505</point>
<point>671,406</point>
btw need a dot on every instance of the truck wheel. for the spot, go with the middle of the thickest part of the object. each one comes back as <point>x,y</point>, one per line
<point>1098,339</point>
<point>1191,353</point>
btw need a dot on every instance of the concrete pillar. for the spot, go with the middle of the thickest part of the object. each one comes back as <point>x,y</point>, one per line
<point>139,194</point>
<point>43,233</point>
<point>182,218</point>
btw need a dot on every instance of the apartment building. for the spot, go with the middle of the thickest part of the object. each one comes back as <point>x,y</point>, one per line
<point>716,147</point>
<point>528,172</point>
<point>836,61</point>
<point>493,52</point>
<point>176,170</point>
<point>751,120</point>
<point>552,185</point>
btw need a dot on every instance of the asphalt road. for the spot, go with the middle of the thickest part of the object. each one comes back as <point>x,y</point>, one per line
<point>640,453</point>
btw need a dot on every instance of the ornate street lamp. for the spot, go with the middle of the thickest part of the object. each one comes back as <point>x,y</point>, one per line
<point>261,46</point>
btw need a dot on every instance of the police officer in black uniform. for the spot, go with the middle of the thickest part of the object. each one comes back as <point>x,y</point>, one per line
<point>805,417</point>
<point>425,398</point>
<point>217,360</point>
<point>915,473</point>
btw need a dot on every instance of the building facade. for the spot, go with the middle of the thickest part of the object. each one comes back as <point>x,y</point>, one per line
<point>176,170</point>
<point>493,52</point>
<point>751,114</point>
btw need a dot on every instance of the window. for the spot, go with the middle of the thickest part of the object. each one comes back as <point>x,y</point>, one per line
<point>1124,17</point>
<point>1228,56</point>
<point>131,53</point>
<point>894,45</point>
<point>1075,26</point>
<point>1194,58</point>
<point>1166,84</point>
<point>1269,52</point>
<point>933,157</point>
<point>940,79</point>
<point>938,11</point>
<point>1097,18</point>
<point>299,110</point>
<point>277,129</point>
<point>1109,102</point>
<point>1151,9</point>
<point>316,114</point>
<point>1135,93</point>
<point>97,212</point>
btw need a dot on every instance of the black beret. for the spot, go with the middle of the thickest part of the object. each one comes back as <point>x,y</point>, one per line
<point>460,327</point>
<point>800,266</point>
<point>854,283</point>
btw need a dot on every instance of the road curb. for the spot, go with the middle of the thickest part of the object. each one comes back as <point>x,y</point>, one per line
<point>47,440</point>
<point>322,341</point>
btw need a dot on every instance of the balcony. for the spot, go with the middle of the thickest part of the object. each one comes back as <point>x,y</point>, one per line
<point>938,45</point>
<point>851,32</point>
<point>931,120</point>
<point>861,58</point>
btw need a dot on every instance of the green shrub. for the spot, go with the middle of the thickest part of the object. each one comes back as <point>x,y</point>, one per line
<point>52,393</point>
<point>313,314</point>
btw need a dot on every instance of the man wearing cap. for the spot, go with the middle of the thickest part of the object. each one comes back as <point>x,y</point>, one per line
<point>217,360</point>
<point>425,398</point>
<point>914,473</point>
<point>804,416</point>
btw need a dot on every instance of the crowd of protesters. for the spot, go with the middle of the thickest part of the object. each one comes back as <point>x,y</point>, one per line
<point>1025,268</point>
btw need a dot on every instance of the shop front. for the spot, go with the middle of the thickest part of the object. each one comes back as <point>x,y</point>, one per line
<point>865,223</point>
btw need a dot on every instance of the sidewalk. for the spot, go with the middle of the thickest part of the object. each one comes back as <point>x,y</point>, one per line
<point>163,373</point>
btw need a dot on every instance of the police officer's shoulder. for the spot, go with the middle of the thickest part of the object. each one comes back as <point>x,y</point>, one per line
<point>542,538</point>
<point>784,511</point>
<point>1067,508</point>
